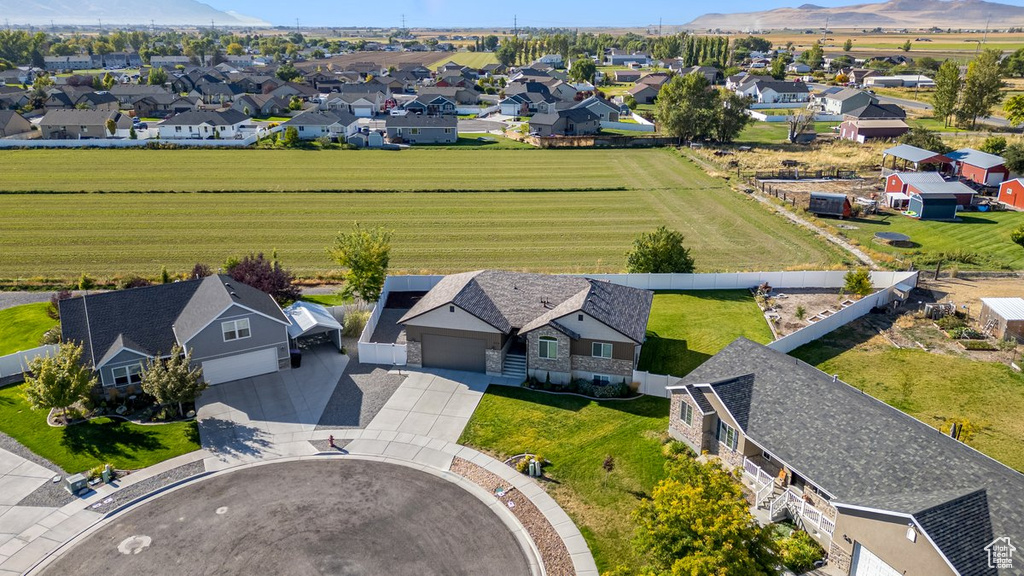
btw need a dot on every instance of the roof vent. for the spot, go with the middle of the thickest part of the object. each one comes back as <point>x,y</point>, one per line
<point>835,377</point>
<point>234,295</point>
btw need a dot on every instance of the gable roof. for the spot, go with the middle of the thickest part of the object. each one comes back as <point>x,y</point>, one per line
<point>918,178</point>
<point>307,317</point>
<point>152,319</point>
<point>889,461</point>
<point>316,118</point>
<point>227,117</point>
<point>977,158</point>
<point>914,154</point>
<point>878,111</point>
<point>418,121</point>
<point>523,301</point>
<point>76,116</point>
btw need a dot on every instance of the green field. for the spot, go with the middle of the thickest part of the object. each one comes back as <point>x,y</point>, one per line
<point>557,228</point>
<point>775,132</point>
<point>472,59</point>
<point>576,435</point>
<point>687,328</point>
<point>988,394</point>
<point>21,327</point>
<point>985,235</point>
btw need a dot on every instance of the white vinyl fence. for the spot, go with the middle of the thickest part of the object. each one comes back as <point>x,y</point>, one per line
<point>389,353</point>
<point>17,363</point>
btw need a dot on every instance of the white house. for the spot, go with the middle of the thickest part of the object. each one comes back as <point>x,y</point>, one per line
<point>203,125</point>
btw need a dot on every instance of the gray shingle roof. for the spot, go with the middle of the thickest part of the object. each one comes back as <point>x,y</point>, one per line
<point>418,121</point>
<point>523,301</point>
<point>866,453</point>
<point>152,319</point>
<point>321,119</point>
<point>214,118</point>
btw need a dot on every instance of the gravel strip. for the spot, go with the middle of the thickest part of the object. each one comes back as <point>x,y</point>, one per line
<point>49,495</point>
<point>388,330</point>
<point>14,447</point>
<point>12,299</point>
<point>126,495</point>
<point>324,446</point>
<point>553,552</point>
<point>361,393</point>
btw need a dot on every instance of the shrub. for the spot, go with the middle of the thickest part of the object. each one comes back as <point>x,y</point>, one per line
<point>965,333</point>
<point>977,345</point>
<point>799,551</point>
<point>801,312</point>
<point>51,336</point>
<point>354,323</point>
<point>858,282</point>
<point>611,390</point>
<point>132,282</point>
<point>950,322</point>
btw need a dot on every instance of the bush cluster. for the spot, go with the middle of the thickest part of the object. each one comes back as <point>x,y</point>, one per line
<point>582,386</point>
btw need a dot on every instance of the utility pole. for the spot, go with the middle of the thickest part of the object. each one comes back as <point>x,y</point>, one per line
<point>515,26</point>
<point>296,24</point>
<point>659,27</point>
<point>403,22</point>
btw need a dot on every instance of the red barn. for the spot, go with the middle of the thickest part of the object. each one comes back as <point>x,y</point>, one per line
<point>964,194</point>
<point>981,167</point>
<point>897,185</point>
<point>1011,193</point>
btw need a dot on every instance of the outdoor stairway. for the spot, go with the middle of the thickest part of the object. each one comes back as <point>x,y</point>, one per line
<point>514,366</point>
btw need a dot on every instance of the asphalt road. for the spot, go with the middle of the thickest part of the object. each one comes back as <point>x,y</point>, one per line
<point>344,517</point>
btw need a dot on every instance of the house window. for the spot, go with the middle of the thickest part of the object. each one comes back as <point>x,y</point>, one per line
<point>686,414</point>
<point>601,350</point>
<point>414,131</point>
<point>177,128</point>
<point>451,308</point>
<point>548,347</point>
<point>767,457</point>
<point>579,317</point>
<point>602,380</point>
<point>447,130</point>
<point>727,435</point>
<point>235,329</point>
<point>125,375</point>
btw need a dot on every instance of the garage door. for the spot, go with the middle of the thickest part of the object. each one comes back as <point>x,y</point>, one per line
<point>240,366</point>
<point>867,564</point>
<point>454,353</point>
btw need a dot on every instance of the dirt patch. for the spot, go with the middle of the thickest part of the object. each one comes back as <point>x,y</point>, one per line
<point>790,309</point>
<point>798,193</point>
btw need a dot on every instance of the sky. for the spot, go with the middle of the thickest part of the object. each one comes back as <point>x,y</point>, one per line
<point>484,13</point>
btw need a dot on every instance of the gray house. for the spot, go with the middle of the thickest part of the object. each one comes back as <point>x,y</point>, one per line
<point>571,122</point>
<point>12,123</point>
<point>76,124</point>
<point>233,330</point>
<point>416,129</point>
<point>513,323</point>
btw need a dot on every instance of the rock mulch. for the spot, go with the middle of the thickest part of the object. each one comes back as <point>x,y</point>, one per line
<point>49,495</point>
<point>553,552</point>
<point>126,495</point>
<point>360,394</point>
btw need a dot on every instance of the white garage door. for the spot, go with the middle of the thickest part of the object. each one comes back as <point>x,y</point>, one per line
<point>867,564</point>
<point>240,366</point>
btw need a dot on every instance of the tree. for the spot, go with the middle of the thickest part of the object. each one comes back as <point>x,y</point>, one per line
<point>1013,65</point>
<point>1017,236</point>
<point>982,88</point>
<point>165,276</point>
<point>157,77</point>
<point>295,103</point>
<point>111,126</point>
<point>583,70</point>
<point>506,54</point>
<point>685,107</point>
<point>925,138</point>
<point>132,134</point>
<point>291,137</point>
<point>56,382</point>
<point>848,45</point>
<point>364,253</point>
<point>85,283</point>
<point>994,145</point>
<point>842,78</point>
<point>659,252</point>
<point>173,380</point>
<point>1014,108</point>
<point>778,68</point>
<point>200,270</point>
<point>266,276</point>
<point>947,90</point>
<point>235,49</point>
<point>858,282</point>
<point>814,57</point>
<point>490,43</point>
<point>906,46</point>
<point>1014,156</point>
<point>696,522</point>
<point>732,116</point>
<point>287,72</point>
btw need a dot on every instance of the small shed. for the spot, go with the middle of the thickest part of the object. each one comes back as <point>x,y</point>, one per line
<point>932,206</point>
<point>826,204</point>
<point>912,156</point>
<point>1003,317</point>
<point>312,323</point>
<point>1011,193</point>
<point>980,167</point>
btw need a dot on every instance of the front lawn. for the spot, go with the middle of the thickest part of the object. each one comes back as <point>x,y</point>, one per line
<point>576,435</point>
<point>21,327</point>
<point>687,328</point>
<point>80,447</point>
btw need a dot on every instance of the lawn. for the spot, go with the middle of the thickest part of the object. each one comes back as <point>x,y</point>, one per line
<point>335,299</point>
<point>576,435</point>
<point>475,60</point>
<point>687,328</point>
<point>490,142</point>
<point>83,446</point>
<point>21,327</point>
<point>985,235</point>
<point>775,132</point>
<point>988,394</point>
<point>555,228</point>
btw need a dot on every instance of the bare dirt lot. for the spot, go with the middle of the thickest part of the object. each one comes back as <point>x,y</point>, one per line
<point>793,309</point>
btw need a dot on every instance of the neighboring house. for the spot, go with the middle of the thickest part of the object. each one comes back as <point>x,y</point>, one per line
<point>555,328</point>
<point>876,112</point>
<point>845,101</point>
<point>979,167</point>
<point>1011,192</point>
<point>260,105</point>
<point>203,125</point>
<point>897,185</point>
<point>1003,318</point>
<point>570,122</point>
<point>905,81</point>
<point>431,105</point>
<point>644,93</point>
<point>798,68</point>
<point>168,62</point>
<point>624,76</point>
<point>883,493</point>
<point>775,92</point>
<point>76,124</point>
<point>615,57</point>
<point>863,130</point>
<point>735,81</point>
<point>75,62</point>
<point>416,129</point>
<point>104,101</point>
<point>554,60</point>
<point>314,124</point>
<point>232,330</point>
<point>13,124</point>
<point>606,111</point>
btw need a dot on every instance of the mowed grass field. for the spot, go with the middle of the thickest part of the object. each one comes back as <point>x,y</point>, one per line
<point>471,59</point>
<point>559,228</point>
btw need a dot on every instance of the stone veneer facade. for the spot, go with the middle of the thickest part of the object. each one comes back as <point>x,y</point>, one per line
<point>494,361</point>
<point>611,366</point>
<point>839,558</point>
<point>559,368</point>
<point>691,435</point>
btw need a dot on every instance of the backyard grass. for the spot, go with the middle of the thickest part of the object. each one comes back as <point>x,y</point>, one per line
<point>335,299</point>
<point>983,235</point>
<point>472,59</point>
<point>80,447</point>
<point>21,327</point>
<point>576,435</point>
<point>687,328</point>
<point>490,142</point>
<point>988,394</point>
<point>548,224</point>
<point>775,132</point>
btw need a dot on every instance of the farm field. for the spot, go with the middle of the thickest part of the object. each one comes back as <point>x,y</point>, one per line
<point>552,229</point>
<point>471,59</point>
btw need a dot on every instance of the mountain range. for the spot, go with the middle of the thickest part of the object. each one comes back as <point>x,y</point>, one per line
<point>955,14</point>
<point>117,12</point>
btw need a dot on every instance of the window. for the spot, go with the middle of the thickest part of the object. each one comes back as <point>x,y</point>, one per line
<point>235,329</point>
<point>686,414</point>
<point>602,380</point>
<point>548,347</point>
<point>177,128</point>
<point>451,308</point>
<point>767,457</point>
<point>125,375</point>
<point>727,435</point>
<point>601,350</point>
<point>579,317</point>
<point>414,131</point>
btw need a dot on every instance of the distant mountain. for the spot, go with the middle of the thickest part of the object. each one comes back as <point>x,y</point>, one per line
<point>113,12</point>
<point>893,14</point>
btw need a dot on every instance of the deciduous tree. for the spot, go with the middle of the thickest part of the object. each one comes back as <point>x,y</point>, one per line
<point>686,107</point>
<point>848,45</point>
<point>365,254</point>
<point>858,282</point>
<point>1014,108</point>
<point>266,276</point>
<point>173,380</point>
<point>659,252</point>
<point>1017,236</point>
<point>58,381</point>
<point>982,88</point>
<point>947,90</point>
<point>583,70</point>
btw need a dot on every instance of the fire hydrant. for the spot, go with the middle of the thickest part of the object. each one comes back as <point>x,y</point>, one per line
<point>330,441</point>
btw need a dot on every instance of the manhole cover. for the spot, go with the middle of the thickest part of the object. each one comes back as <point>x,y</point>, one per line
<point>222,510</point>
<point>134,544</point>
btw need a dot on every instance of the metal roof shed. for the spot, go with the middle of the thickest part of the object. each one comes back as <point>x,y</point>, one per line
<point>309,320</point>
<point>913,155</point>
<point>1003,317</point>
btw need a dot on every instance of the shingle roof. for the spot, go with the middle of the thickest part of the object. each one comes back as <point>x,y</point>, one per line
<point>977,158</point>
<point>417,121</point>
<point>522,301</point>
<point>152,319</point>
<point>315,118</point>
<point>866,453</point>
<point>878,111</point>
<point>75,116</point>
<point>214,118</point>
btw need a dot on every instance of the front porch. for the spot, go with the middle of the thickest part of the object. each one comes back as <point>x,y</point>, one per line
<point>780,496</point>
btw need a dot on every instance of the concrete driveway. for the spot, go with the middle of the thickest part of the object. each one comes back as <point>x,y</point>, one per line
<point>248,417</point>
